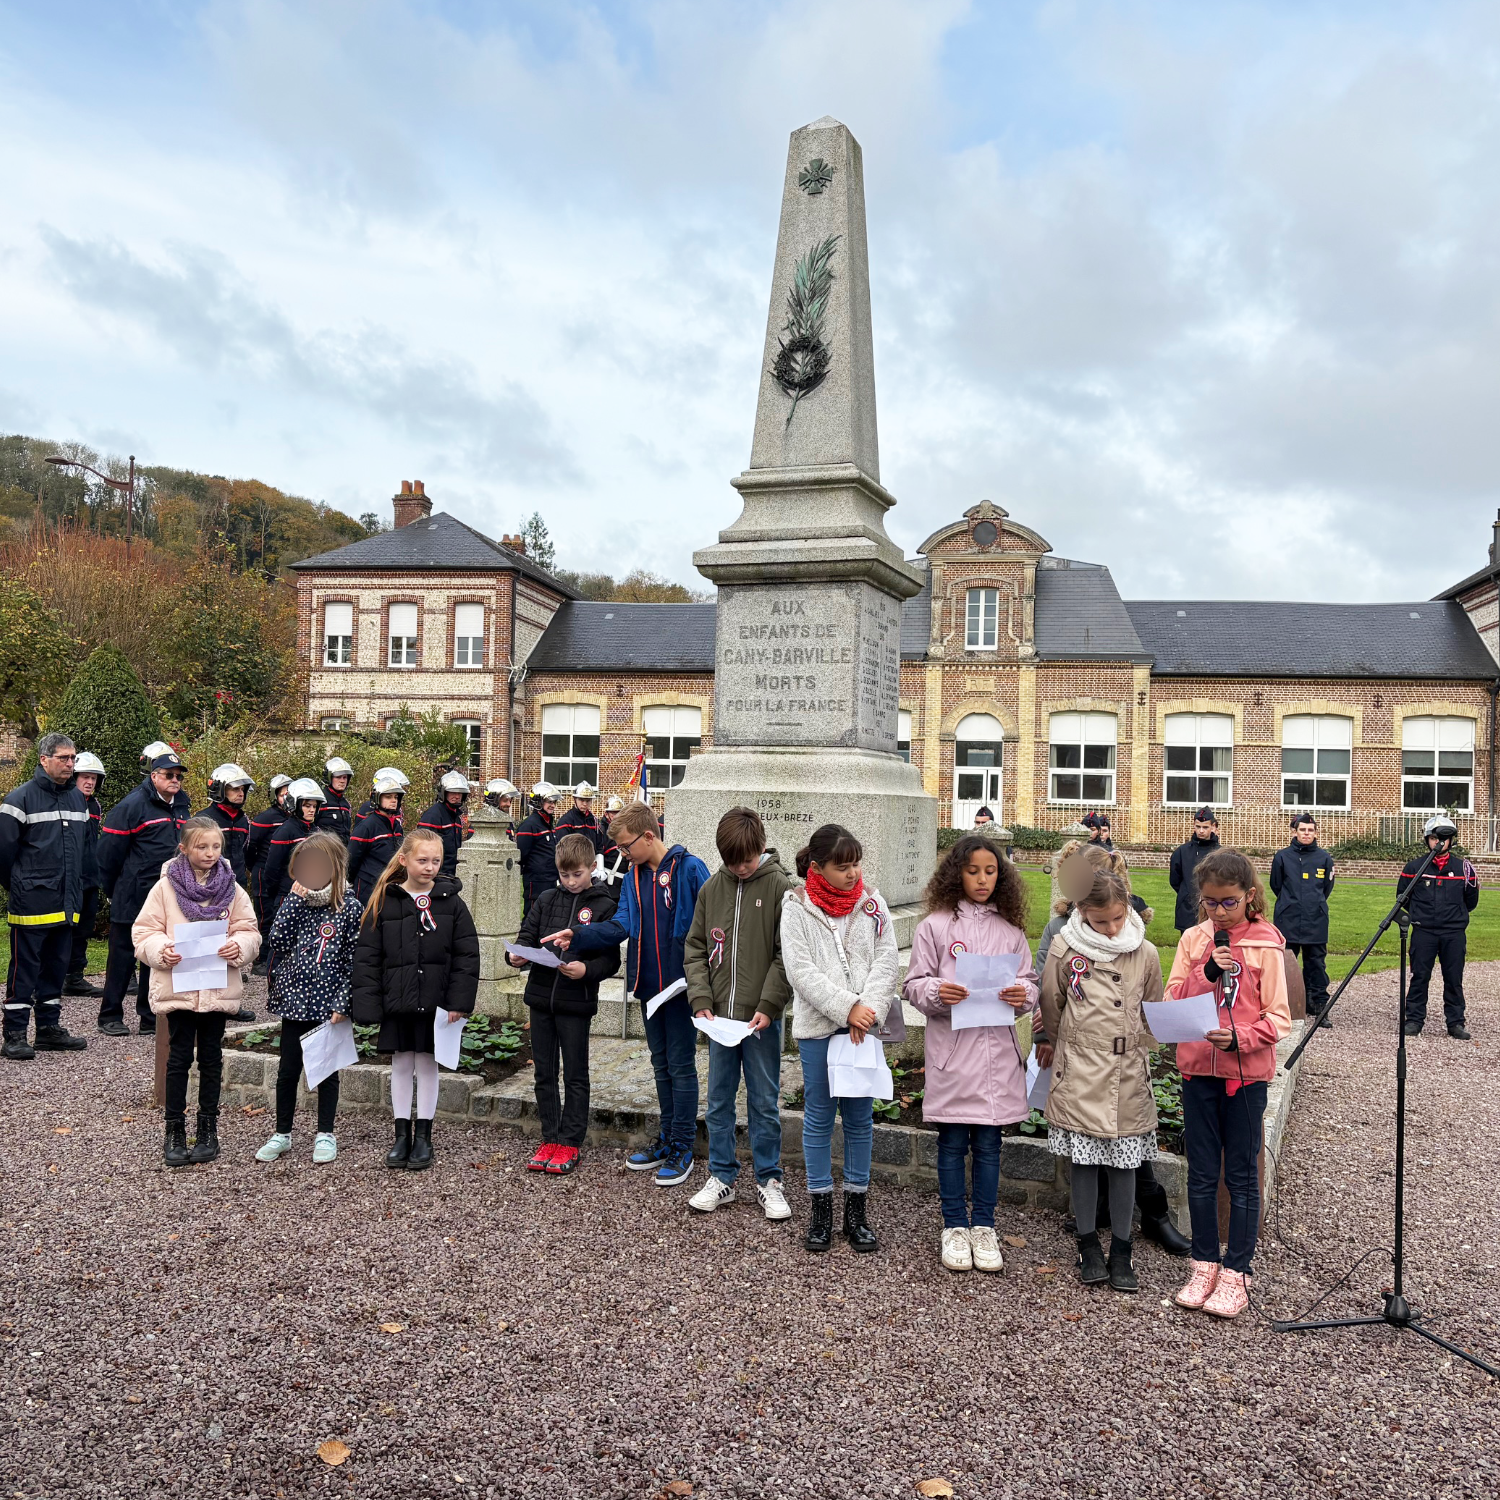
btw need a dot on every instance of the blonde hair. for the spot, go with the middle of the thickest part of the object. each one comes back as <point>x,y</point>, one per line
<point>331,847</point>
<point>395,871</point>
<point>194,826</point>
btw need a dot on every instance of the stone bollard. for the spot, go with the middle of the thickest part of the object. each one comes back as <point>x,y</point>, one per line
<point>491,878</point>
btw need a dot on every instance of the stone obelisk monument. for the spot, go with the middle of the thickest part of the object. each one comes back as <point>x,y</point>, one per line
<point>808,648</point>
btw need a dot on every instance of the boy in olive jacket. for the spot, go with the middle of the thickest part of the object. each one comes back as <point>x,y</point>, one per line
<point>732,961</point>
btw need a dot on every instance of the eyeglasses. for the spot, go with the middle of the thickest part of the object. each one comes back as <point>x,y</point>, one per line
<point>1228,904</point>
<point>63,755</point>
<point>625,848</point>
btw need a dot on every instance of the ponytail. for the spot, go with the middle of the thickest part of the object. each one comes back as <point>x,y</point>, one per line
<point>395,871</point>
<point>830,842</point>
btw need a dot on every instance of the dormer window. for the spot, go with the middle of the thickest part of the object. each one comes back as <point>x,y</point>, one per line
<point>983,627</point>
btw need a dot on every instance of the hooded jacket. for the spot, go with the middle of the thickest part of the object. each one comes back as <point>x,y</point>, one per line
<point>450,825</point>
<point>43,830</point>
<point>732,958</point>
<point>312,954</point>
<point>235,824</point>
<point>1260,1014</point>
<point>1302,880</point>
<point>1444,896</point>
<point>153,929</point>
<point>372,846</point>
<point>1180,876</point>
<point>138,836</point>
<point>550,989</point>
<point>833,965</point>
<point>402,967</point>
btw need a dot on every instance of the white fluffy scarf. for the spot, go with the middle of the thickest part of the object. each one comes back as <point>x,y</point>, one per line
<point>1078,935</point>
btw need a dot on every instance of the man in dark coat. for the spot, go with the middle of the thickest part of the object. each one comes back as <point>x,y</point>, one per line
<point>1302,880</point>
<point>42,828</point>
<point>1439,907</point>
<point>88,777</point>
<point>1185,859</point>
<point>448,819</point>
<point>257,845</point>
<point>336,816</point>
<point>580,817</point>
<point>536,845</point>
<point>138,836</point>
<point>1097,824</point>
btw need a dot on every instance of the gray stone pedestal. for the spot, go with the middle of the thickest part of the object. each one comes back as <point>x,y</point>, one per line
<point>492,887</point>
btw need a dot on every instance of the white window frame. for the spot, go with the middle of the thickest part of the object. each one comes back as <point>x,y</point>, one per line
<point>468,648</point>
<point>681,726</point>
<point>338,648</point>
<point>1088,733</point>
<point>403,655</point>
<point>982,619</point>
<point>1200,733</point>
<point>903,734</point>
<point>474,731</point>
<point>1329,735</point>
<point>580,725</point>
<point>1438,735</point>
<point>333,724</point>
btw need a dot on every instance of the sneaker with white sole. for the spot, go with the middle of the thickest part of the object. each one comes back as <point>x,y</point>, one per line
<point>772,1199</point>
<point>648,1158</point>
<point>275,1148</point>
<point>714,1193</point>
<point>958,1254</point>
<point>986,1250</point>
<point>677,1167</point>
<point>325,1148</point>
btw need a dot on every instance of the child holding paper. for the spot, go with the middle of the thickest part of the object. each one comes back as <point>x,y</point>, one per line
<point>976,1076</point>
<point>842,963</point>
<point>418,953</point>
<point>563,1000</point>
<point>198,885</point>
<point>1238,957</point>
<point>1101,1112</point>
<point>312,942</point>
<point>734,970</point>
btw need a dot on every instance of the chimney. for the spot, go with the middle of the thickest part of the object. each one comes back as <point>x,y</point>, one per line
<point>411,504</point>
<point>516,543</point>
<point>1495,543</point>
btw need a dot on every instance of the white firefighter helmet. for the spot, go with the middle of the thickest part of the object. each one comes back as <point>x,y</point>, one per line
<point>88,764</point>
<point>500,787</point>
<point>544,791</point>
<point>394,773</point>
<point>338,766</point>
<point>226,776</point>
<point>279,780</point>
<point>155,748</point>
<point>613,805</point>
<point>584,792</point>
<point>454,781</point>
<point>384,784</point>
<point>1440,827</point>
<point>305,789</point>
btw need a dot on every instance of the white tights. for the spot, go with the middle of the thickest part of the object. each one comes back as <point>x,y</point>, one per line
<point>422,1065</point>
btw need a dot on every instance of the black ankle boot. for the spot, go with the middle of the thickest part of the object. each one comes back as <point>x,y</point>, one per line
<point>1091,1267</point>
<point>206,1146</point>
<point>174,1151</point>
<point>819,1236</point>
<point>1165,1233</point>
<point>1122,1275</point>
<point>396,1158</point>
<point>421,1147</point>
<point>859,1234</point>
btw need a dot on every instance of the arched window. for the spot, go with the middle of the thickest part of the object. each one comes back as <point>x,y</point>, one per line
<point>978,768</point>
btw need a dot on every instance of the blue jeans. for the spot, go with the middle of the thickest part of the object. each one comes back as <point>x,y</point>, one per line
<point>673,1041</point>
<point>954,1144</point>
<point>820,1109</point>
<point>759,1058</point>
<point>1218,1128</point>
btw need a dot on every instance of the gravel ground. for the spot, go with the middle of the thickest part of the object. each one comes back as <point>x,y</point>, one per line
<point>480,1331</point>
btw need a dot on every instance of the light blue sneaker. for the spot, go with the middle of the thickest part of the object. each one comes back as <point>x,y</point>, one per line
<point>325,1148</point>
<point>678,1167</point>
<point>275,1148</point>
<point>648,1157</point>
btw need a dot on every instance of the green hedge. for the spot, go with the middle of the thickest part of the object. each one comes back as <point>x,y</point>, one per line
<point>1021,837</point>
<point>1385,849</point>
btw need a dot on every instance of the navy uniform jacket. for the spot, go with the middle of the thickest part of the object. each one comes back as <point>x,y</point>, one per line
<point>137,837</point>
<point>1302,880</point>
<point>236,826</point>
<point>91,844</point>
<point>43,828</point>
<point>1180,876</point>
<point>536,853</point>
<point>1444,896</point>
<point>372,846</point>
<point>276,872</point>
<point>335,815</point>
<point>448,824</point>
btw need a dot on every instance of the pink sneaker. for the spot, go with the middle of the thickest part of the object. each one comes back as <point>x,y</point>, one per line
<point>1200,1285</point>
<point>1230,1298</point>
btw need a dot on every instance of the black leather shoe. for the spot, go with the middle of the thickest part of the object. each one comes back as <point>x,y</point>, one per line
<point>1122,1275</point>
<point>147,1026</point>
<point>258,968</point>
<point>859,1234</point>
<point>421,1147</point>
<point>113,1028</point>
<point>244,1013</point>
<point>174,1151</point>
<point>206,1144</point>
<point>1091,1267</point>
<point>1166,1234</point>
<point>17,1049</point>
<point>1459,1033</point>
<point>396,1157</point>
<point>819,1236</point>
<point>1412,1028</point>
<point>58,1039</point>
<point>76,984</point>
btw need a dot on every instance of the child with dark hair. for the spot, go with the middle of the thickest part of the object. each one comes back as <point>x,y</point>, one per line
<point>976,1076</point>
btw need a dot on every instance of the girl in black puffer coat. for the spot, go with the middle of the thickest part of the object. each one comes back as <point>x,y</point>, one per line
<point>418,953</point>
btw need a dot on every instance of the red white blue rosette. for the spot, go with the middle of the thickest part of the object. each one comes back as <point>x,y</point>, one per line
<point>1078,968</point>
<point>326,931</point>
<point>716,953</point>
<point>424,911</point>
<point>871,908</point>
<point>957,946</point>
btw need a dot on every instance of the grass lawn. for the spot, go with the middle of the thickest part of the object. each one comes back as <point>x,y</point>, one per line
<point>1355,908</point>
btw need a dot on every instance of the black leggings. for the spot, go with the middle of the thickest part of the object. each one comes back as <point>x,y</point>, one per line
<point>289,1077</point>
<point>187,1031</point>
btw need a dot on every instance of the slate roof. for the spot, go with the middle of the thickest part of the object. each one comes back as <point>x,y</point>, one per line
<point>440,542</point>
<point>1253,638</point>
<point>916,621</point>
<point>589,636</point>
<point>1079,615</point>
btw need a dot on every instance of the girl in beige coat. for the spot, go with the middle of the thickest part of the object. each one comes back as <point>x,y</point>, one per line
<point>1100,1112</point>
<point>197,886</point>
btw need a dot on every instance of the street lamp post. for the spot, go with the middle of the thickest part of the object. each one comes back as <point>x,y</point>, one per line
<point>127,486</point>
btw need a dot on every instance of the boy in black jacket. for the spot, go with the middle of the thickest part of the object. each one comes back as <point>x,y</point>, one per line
<point>563,1001</point>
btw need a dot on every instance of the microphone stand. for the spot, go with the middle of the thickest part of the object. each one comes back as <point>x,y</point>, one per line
<point>1397,1312</point>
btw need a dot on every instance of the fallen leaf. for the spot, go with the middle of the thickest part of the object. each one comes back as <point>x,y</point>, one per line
<point>132,1401</point>
<point>333,1452</point>
<point>174,1236</point>
<point>63,1130</point>
<point>1071,1317</point>
<point>127,1119</point>
<point>930,1487</point>
<point>678,1487</point>
<point>392,1327</point>
<point>1016,1241</point>
<point>1046,1270</point>
<point>501,1327</point>
<point>256,1109</point>
<point>53,1167</point>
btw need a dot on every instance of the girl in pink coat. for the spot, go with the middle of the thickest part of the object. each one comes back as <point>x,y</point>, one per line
<point>976,1076</point>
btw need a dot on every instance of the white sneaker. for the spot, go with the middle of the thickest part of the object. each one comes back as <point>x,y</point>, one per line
<point>713,1194</point>
<point>773,1200</point>
<point>325,1148</point>
<point>957,1253</point>
<point>986,1250</point>
<point>275,1148</point>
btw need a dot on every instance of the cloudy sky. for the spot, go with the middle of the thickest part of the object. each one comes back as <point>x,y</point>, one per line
<point>1207,292</point>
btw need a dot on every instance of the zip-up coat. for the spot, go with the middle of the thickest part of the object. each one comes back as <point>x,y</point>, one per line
<point>91,844</point>
<point>536,853</point>
<point>276,877</point>
<point>153,930</point>
<point>312,955</point>
<point>372,846</point>
<point>550,989</point>
<point>577,821</point>
<point>450,825</point>
<point>1180,876</point>
<point>138,836</point>
<point>236,827</point>
<point>976,1076</point>
<point>1101,1075</point>
<point>258,837</point>
<point>733,954</point>
<point>403,967</point>
<point>1253,1001</point>
<point>1302,880</point>
<point>43,830</point>
<point>835,964</point>
<point>1444,896</point>
<point>335,816</point>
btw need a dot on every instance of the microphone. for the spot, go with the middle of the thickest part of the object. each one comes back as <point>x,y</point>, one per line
<point>1213,969</point>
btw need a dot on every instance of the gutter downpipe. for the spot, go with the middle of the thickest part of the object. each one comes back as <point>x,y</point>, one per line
<point>1490,842</point>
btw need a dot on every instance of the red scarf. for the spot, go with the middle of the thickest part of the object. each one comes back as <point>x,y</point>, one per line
<point>825,898</point>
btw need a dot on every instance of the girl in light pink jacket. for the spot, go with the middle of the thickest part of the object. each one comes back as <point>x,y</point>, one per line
<point>975,1076</point>
<point>197,886</point>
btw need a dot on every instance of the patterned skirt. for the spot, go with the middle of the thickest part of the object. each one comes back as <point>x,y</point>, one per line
<point>1126,1152</point>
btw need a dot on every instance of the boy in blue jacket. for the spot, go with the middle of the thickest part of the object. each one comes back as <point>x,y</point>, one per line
<point>657,899</point>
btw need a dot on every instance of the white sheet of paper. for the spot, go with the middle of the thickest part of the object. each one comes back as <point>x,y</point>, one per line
<point>981,1009</point>
<point>446,1038</point>
<point>721,1029</point>
<point>544,956</point>
<point>1038,1083</point>
<point>326,1049</point>
<point>1189,1019</point>
<point>200,974</point>
<point>655,1003</point>
<point>201,947</point>
<point>984,975</point>
<point>185,931</point>
<point>858,1072</point>
<point>201,967</point>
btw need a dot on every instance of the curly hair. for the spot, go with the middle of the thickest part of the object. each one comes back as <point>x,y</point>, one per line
<point>946,888</point>
<point>1230,868</point>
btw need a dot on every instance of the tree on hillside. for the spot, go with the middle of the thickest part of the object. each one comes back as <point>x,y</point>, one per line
<point>640,587</point>
<point>37,654</point>
<point>538,541</point>
<point>106,710</point>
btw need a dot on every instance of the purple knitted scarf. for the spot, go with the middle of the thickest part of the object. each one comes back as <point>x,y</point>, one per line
<point>202,903</point>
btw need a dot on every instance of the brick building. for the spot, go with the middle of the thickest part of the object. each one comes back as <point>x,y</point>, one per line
<point>1027,683</point>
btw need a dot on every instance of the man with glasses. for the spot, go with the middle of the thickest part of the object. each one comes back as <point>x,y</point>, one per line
<point>41,866</point>
<point>138,836</point>
<point>1302,881</point>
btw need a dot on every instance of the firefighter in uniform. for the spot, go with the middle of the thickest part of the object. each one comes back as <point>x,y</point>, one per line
<point>304,800</point>
<point>580,817</point>
<point>1439,908</point>
<point>257,844</point>
<point>447,818</point>
<point>88,777</point>
<point>229,789</point>
<point>388,773</point>
<point>377,836</point>
<point>336,815</point>
<point>536,845</point>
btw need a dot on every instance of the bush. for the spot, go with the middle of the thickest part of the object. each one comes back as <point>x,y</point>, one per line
<point>1369,847</point>
<point>106,710</point>
<point>1023,837</point>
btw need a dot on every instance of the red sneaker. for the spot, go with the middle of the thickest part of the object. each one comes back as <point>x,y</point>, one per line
<point>543,1156</point>
<point>564,1159</point>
